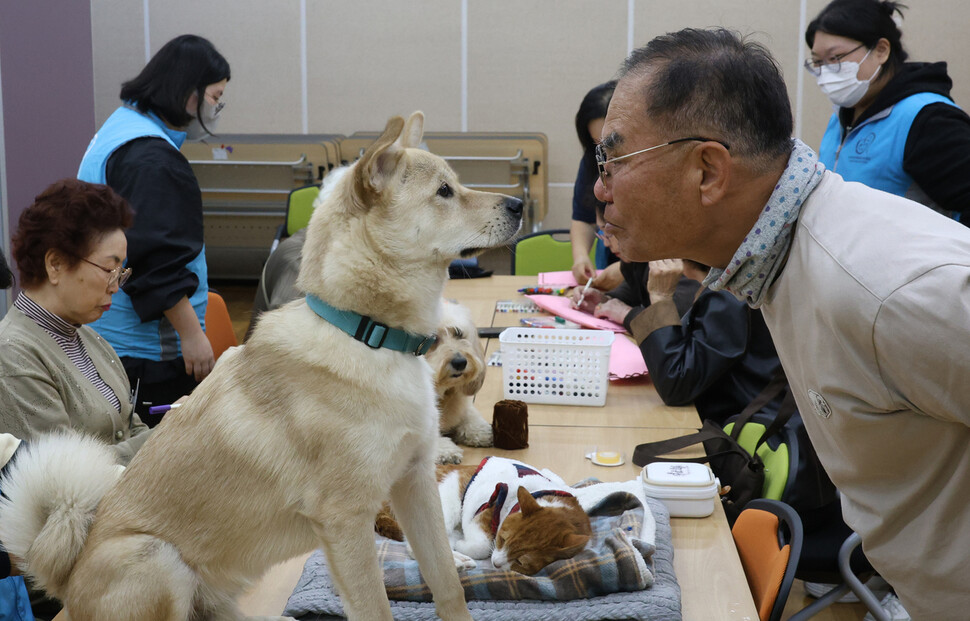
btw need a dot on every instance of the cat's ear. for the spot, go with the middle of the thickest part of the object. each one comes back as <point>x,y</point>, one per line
<point>527,503</point>
<point>573,543</point>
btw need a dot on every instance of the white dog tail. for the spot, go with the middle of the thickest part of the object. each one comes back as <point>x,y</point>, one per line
<point>51,491</point>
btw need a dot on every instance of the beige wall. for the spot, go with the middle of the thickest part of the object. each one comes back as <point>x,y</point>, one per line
<point>338,66</point>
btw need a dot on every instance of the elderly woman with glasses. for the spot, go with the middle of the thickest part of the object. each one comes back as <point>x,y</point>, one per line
<point>56,372</point>
<point>895,126</point>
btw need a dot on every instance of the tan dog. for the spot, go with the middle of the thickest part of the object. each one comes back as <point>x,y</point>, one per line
<point>295,440</point>
<point>458,361</point>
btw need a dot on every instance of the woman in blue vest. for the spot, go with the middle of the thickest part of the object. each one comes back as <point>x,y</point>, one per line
<point>156,323</point>
<point>895,127</point>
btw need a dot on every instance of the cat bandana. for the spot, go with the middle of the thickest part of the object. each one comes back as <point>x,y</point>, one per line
<point>762,253</point>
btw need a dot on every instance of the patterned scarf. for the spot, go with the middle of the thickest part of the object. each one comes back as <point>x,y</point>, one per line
<point>762,253</point>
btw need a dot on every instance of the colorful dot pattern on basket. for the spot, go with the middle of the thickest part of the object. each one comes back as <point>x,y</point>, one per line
<point>556,366</point>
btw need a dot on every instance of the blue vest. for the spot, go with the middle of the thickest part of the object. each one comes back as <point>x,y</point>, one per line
<point>121,326</point>
<point>14,600</point>
<point>872,153</point>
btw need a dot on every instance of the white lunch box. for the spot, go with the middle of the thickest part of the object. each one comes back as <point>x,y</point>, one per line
<point>688,489</point>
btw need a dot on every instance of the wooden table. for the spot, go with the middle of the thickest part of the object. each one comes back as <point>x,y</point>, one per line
<point>712,582</point>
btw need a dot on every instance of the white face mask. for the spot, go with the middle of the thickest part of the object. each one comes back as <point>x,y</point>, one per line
<point>843,87</point>
<point>210,115</point>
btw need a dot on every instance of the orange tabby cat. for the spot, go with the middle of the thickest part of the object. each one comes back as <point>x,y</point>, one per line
<point>483,518</point>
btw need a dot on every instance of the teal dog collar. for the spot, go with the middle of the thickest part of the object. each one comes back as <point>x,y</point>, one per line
<point>369,332</point>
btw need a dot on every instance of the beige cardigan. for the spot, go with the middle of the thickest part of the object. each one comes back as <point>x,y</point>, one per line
<point>41,390</point>
<point>871,319</point>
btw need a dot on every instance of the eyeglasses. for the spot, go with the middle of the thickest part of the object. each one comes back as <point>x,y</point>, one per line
<point>602,160</point>
<point>118,275</point>
<point>217,102</point>
<point>834,63</point>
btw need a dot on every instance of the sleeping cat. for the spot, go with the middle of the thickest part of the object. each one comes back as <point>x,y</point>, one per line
<point>507,509</point>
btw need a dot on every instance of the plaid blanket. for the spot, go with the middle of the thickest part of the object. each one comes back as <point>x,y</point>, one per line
<point>628,578</point>
<point>614,560</point>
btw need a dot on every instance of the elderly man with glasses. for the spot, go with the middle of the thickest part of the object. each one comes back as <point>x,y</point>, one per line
<point>866,295</point>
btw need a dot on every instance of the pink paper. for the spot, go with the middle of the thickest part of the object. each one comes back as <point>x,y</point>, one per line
<point>557,278</point>
<point>561,306</point>
<point>560,278</point>
<point>626,360</point>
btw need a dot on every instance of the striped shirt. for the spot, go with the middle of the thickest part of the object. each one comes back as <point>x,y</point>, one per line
<point>66,336</point>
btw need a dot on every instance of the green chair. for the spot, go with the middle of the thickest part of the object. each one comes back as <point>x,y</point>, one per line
<point>544,251</point>
<point>299,207</point>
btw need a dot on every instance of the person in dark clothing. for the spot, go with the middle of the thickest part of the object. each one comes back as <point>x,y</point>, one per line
<point>582,229</point>
<point>719,356</point>
<point>895,128</point>
<point>156,322</point>
<point>700,346</point>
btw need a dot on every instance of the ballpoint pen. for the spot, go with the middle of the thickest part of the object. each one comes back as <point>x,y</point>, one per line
<point>582,296</point>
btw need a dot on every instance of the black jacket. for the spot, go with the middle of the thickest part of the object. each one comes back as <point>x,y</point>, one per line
<point>937,151</point>
<point>718,356</point>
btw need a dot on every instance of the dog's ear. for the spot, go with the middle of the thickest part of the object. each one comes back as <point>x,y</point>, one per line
<point>377,165</point>
<point>413,131</point>
<point>472,387</point>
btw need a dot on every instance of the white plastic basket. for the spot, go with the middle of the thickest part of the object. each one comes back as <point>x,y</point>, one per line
<point>542,365</point>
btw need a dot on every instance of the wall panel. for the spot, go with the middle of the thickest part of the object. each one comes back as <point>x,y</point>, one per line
<point>529,62</point>
<point>370,59</point>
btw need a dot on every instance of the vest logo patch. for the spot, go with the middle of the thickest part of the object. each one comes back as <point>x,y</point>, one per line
<point>819,404</point>
<point>863,145</point>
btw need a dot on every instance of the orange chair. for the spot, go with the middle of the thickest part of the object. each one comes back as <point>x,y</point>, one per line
<point>768,534</point>
<point>218,325</point>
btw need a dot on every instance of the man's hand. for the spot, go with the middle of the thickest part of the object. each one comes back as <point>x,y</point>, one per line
<point>612,309</point>
<point>664,275</point>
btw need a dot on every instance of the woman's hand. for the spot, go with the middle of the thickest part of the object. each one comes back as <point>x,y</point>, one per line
<point>583,270</point>
<point>610,278</point>
<point>663,279</point>
<point>197,352</point>
<point>589,301</point>
<point>612,309</point>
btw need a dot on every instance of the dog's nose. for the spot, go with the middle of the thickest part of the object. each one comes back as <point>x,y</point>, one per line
<point>459,362</point>
<point>514,205</point>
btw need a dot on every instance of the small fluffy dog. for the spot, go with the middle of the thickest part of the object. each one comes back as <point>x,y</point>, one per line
<point>458,362</point>
<point>296,438</point>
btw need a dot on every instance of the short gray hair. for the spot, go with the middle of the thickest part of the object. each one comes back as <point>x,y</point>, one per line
<point>712,82</point>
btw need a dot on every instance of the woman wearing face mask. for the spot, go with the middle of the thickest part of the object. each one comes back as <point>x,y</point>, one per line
<point>895,127</point>
<point>155,322</point>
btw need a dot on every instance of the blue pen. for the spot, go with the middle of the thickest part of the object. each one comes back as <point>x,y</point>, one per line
<point>161,409</point>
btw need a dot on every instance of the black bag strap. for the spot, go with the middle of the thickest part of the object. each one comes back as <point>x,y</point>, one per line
<point>776,385</point>
<point>785,412</point>
<point>650,452</point>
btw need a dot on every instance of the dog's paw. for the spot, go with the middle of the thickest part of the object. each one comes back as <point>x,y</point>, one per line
<point>448,452</point>
<point>474,433</point>
<point>463,562</point>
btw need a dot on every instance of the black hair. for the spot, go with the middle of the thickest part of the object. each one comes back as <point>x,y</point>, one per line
<point>715,84</point>
<point>6,276</point>
<point>187,64</point>
<point>594,106</point>
<point>865,21</point>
